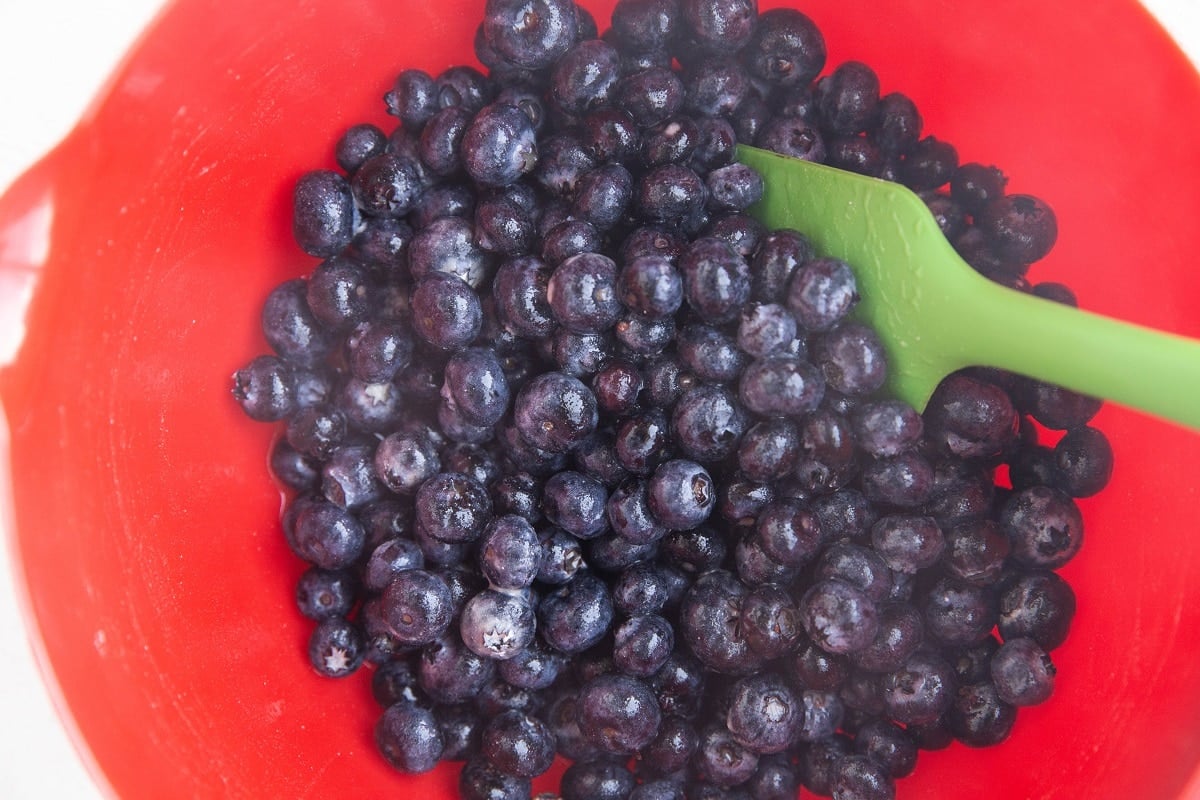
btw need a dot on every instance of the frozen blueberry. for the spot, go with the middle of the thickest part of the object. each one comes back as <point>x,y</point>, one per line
<point>519,288</point>
<point>448,244</point>
<point>886,427</point>
<point>476,385</point>
<point>735,187</point>
<point>561,557</point>
<point>768,450</point>
<point>602,196</point>
<point>858,777</point>
<point>901,632</point>
<point>617,386</point>
<point>650,285</point>
<point>562,161</point>
<point>503,226</point>
<point>609,135</point>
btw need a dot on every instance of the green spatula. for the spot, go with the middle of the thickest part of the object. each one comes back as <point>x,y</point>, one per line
<point>935,314</point>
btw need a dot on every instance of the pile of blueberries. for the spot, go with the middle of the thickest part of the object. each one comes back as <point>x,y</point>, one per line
<point>585,461</point>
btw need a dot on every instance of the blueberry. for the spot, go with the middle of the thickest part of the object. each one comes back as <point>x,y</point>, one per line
<point>901,632</point>
<point>650,285</point>
<point>679,687</point>
<point>446,312</point>
<point>388,559</point>
<point>596,456</point>
<point>733,188</point>
<point>765,328</point>
<point>642,644</point>
<point>821,292</point>
<point>612,553</point>
<point>479,780</point>
<point>336,647</point>
<point>460,726</point>
<point>781,386</point>
<point>443,200</point>
<point>792,136</point>
<point>348,477</point>
<point>453,508</point>
<point>715,86</point>
<point>568,239</point>
<point>1022,673</point>
<point>897,125</point>
<point>450,673</point>
<point>671,141</point>
<point>1038,605</point>
<point>386,185</point>
<point>562,161</point>
<point>576,503</point>
<point>628,511</point>
<point>576,616</point>
<point>323,594</point>
<point>582,293</point>
<point>929,164</point>
<point>765,716</point>
<point>722,761</point>
<point>775,779</point>
<point>609,135</point>
<point>618,714</point>
<point>641,588</point>
<point>958,613</point>
<point>291,328</point>
<point>905,480</point>
<point>413,98</point>
<point>265,388</point>
<point>476,386</point>
<point>886,427</point>
<point>1055,407</point>
<point>1044,526</point>
<point>441,140</point>
<point>499,145</point>
<point>323,213</point>
<point>378,350</point>
<point>448,244</point>
<point>1084,459</point>
<point>908,542</point>
<point>857,777</point>
<point>502,226</point>
<point>920,691</point>
<point>536,667</point>
<point>403,461</point>
<point>669,193</point>
<point>464,87</point>
<point>509,553</point>
<point>779,255</point>
<point>716,279</point>
<point>976,551</point>
<point>723,26</point>
<point>409,737</point>
<point>327,535</point>
<point>838,617</point>
<point>658,790</point>
<point>527,34</point>
<point>555,412</point>
<point>417,606</point>
<point>292,468</point>
<point>602,196</point>
<point>561,557</point>
<point>581,355</point>
<point>617,386</point>
<point>786,49</point>
<point>709,353</point>
<point>645,25</point>
<point>970,418</point>
<point>584,77</point>
<point>768,451</point>
<point>978,717</point>
<point>708,423</point>
<point>817,761</point>
<point>520,291</point>
<point>597,779</point>
<point>650,95</point>
<point>518,744</point>
<point>709,623</point>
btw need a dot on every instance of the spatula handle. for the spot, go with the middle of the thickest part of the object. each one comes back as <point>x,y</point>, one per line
<point>1131,365</point>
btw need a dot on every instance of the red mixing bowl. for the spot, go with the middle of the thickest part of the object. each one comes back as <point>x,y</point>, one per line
<point>146,525</point>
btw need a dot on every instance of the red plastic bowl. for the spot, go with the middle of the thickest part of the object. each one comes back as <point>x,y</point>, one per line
<point>147,526</point>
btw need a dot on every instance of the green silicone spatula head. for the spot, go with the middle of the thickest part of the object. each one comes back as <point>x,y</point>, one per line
<point>935,314</point>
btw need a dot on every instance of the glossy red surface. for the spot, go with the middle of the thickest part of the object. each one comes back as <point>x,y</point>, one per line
<point>146,523</point>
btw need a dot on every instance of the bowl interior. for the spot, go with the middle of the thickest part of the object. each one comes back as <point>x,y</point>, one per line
<point>146,523</point>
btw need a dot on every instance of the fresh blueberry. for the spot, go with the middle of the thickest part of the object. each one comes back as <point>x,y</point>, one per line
<point>669,193</point>
<point>603,195</point>
<point>1044,526</point>
<point>531,35</point>
<point>388,559</point>
<point>417,606</point>
<point>453,508</point>
<point>708,423</point>
<point>582,293</point>
<point>619,714</point>
<point>642,644</point>
<point>786,49</point>
<point>479,780</point>
<point>450,673</point>
<point>723,26</point>
<point>446,311</point>
<point>929,164</point>
<point>326,535</point>
<point>838,617</point>
<point>709,623</point>
<point>518,744</point>
<point>576,616</point>
<point>976,551</point>
<point>555,412</point>
<point>908,542</point>
<point>323,213</point>
<point>323,594</point>
<point>781,386</point>
<point>409,737</point>
<point>716,279</point>
<point>509,553</point>
<point>413,98</point>
<point>1038,605</point>
<point>336,647</point>
<point>792,136</point>
<point>499,145</point>
<point>561,557</point>
<point>568,239</point>
<point>597,779</point>
<point>584,77</point>
<point>576,503</point>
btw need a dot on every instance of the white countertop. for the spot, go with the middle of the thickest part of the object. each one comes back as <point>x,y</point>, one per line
<point>70,46</point>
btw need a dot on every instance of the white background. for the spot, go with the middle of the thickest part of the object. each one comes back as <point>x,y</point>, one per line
<point>54,54</point>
